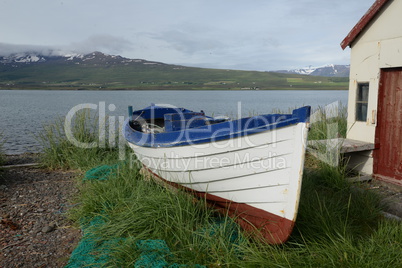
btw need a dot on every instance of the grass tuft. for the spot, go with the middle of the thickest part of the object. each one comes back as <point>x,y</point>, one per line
<point>328,123</point>
<point>61,152</point>
<point>139,209</point>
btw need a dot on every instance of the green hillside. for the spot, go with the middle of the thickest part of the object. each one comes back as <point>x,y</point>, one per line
<point>106,75</point>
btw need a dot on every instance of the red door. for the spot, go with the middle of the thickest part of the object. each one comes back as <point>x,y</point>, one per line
<point>388,135</point>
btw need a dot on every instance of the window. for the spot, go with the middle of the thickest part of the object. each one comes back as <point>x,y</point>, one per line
<point>362,101</point>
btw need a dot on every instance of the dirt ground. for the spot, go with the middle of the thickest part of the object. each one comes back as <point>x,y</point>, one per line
<point>391,197</point>
<point>34,231</point>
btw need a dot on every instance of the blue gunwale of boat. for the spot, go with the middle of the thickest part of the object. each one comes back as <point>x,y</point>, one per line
<point>209,133</point>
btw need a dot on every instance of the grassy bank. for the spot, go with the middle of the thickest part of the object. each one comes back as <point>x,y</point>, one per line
<point>337,226</point>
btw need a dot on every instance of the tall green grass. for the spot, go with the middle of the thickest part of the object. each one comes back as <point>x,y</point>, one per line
<point>333,127</point>
<point>2,155</point>
<point>337,225</point>
<point>60,152</point>
<point>138,209</point>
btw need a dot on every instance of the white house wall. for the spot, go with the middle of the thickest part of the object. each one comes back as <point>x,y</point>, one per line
<point>379,46</point>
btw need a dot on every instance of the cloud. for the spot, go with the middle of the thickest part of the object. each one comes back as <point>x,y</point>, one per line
<point>257,34</point>
<point>8,49</point>
<point>105,43</point>
<point>188,43</point>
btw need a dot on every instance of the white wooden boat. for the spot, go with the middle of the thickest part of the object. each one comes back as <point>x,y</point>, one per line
<point>250,168</point>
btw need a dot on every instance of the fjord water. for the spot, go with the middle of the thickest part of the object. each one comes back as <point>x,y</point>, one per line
<point>24,112</point>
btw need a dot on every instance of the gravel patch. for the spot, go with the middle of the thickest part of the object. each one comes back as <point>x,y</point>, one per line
<point>34,230</point>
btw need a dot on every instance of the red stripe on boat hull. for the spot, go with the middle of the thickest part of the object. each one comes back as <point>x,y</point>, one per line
<point>273,228</point>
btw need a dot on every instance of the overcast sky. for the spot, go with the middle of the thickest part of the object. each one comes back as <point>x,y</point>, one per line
<point>231,34</point>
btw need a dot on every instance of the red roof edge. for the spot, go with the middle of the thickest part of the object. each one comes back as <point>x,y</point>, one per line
<point>363,22</point>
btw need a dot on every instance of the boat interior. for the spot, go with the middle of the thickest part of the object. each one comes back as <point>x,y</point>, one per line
<point>155,119</point>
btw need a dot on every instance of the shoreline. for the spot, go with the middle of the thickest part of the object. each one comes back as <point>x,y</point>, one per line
<point>21,158</point>
<point>172,89</point>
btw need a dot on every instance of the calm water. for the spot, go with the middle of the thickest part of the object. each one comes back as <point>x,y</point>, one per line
<point>23,112</point>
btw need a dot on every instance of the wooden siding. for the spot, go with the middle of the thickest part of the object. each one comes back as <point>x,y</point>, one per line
<point>388,138</point>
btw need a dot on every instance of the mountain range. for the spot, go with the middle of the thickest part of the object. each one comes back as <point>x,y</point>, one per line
<point>329,70</point>
<point>97,70</point>
<point>94,58</point>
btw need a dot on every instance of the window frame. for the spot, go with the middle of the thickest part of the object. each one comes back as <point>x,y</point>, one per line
<point>360,116</point>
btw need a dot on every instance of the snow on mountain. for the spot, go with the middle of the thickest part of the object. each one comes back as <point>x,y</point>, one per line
<point>94,58</point>
<point>22,58</point>
<point>73,56</point>
<point>326,70</point>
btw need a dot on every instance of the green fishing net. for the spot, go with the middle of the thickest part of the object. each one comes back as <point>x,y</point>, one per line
<point>100,173</point>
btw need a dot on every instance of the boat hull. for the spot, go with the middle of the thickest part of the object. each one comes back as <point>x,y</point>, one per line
<point>254,178</point>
